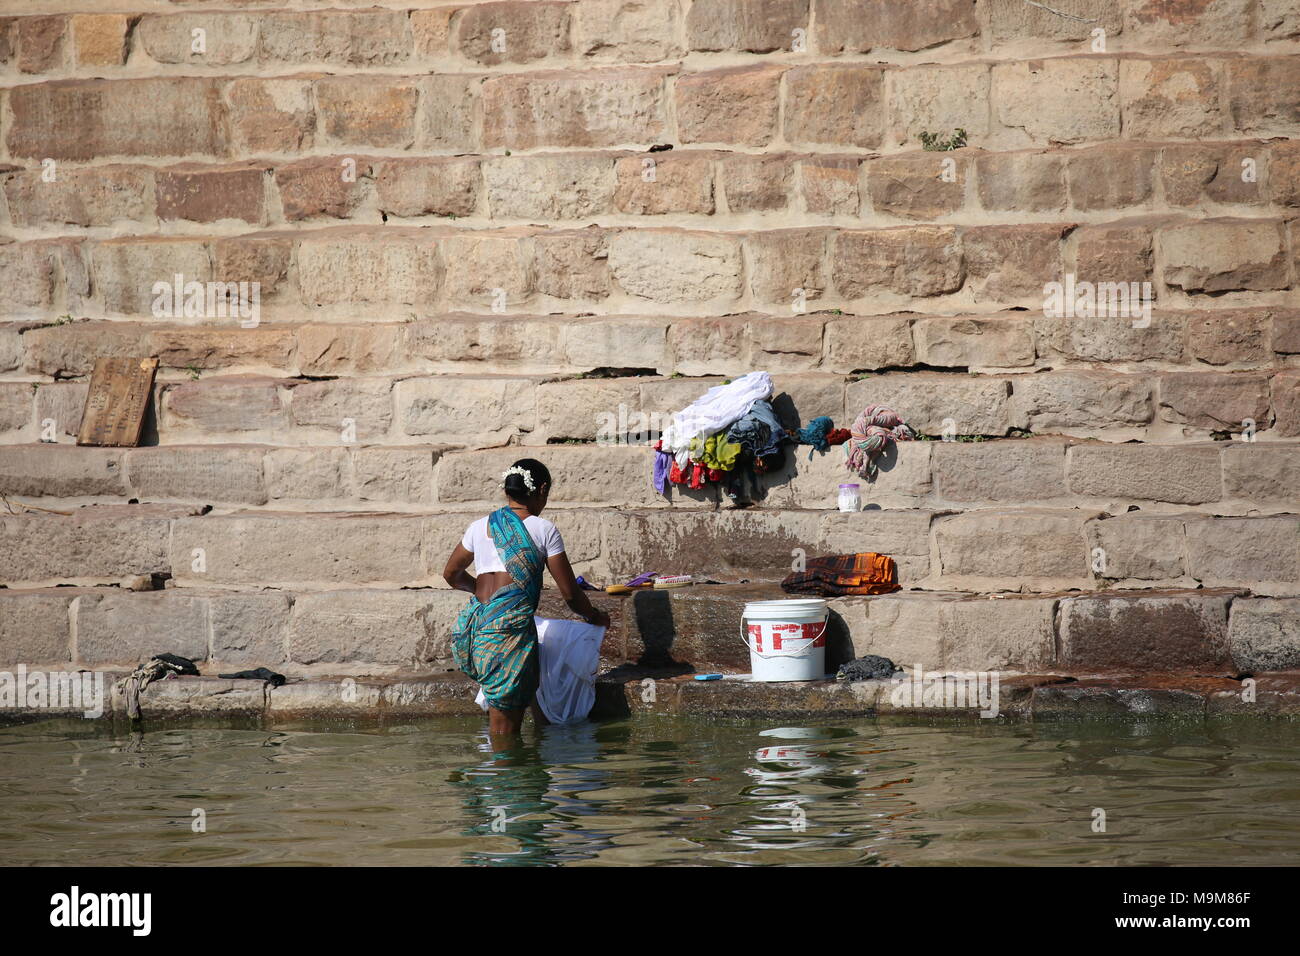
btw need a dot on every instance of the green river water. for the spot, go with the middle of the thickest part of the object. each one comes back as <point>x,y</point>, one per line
<point>655,791</point>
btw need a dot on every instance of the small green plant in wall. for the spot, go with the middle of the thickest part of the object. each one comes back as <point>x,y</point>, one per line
<point>933,143</point>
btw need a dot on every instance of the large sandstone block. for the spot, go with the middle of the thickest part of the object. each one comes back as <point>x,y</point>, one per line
<point>1116,254</point>
<point>331,349</point>
<point>1264,634</point>
<point>249,629</point>
<point>628,31</point>
<point>126,271</point>
<point>308,474</point>
<point>737,106</point>
<point>837,105</point>
<point>1065,100</point>
<point>913,186</point>
<point>1112,338</point>
<point>903,626</point>
<point>1224,255</point>
<point>285,549</point>
<point>1262,554</point>
<point>522,343</point>
<point>903,535</point>
<point>867,343</point>
<point>634,343</point>
<point>1012,264</point>
<point>1180,474</point>
<point>200,473</point>
<point>71,349</point>
<point>662,184</point>
<point>34,274</point>
<point>585,109</point>
<point>572,264</point>
<point>902,479</point>
<point>377,111</point>
<point>1021,182</point>
<point>128,627</point>
<point>749,26</point>
<point>236,403</point>
<point>787,267</point>
<point>571,186</point>
<point>1027,550</point>
<point>1136,633</point>
<point>1007,634</point>
<point>1003,341</point>
<point>1137,547</point>
<point>99,39</point>
<point>935,404</point>
<point>1214,401</point>
<point>1286,402</point>
<point>89,196</point>
<point>35,626</point>
<point>201,39</point>
<point>939,100</point>
<point>488,270</point>
<point>1021,471</point>
<point>423,187</point>
<point>1231,337</point>
<point>451,112</point>
<point>829,185</point>
<point>460,409</point>
<point>908,261</point>
<point>85,119</point>
<point>1262,473</point>
<point>1082,401</point>
<point>361,38</point>
<point>60,406</point>
<point>607,410</point>
<point>350,267</point>
<point>90,546</point>
<point>271,115</point>
<point>513,31</point>
<point>720,346</point>
<point>61,471</point>
<point>1264,95</point>
<point>204,193</point>
<point>676,267</point>
<point>228,349</point>
<point>1198,173</point>
<point>1114,176</point>
<point>859,27</point>
<point>322,187</point>
<point>1073,21</point>
<point>351,409</point>
<point>757,185</point>
<point>399,474</point>
<point>723,545</point>
<point>384,627</point>
<point>15,406</point>
<point>1170,98</point>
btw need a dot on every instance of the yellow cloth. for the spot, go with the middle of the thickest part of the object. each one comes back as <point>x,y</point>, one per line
<point>716,451</point>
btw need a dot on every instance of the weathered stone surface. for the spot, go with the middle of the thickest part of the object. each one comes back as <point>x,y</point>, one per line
<point>1260,553</point>
<point>903,535</point>
<point>87,119</point>
<point>606,410</point>
<point>640,343</point>
<point>1112,338</point>
<point>487,271</point>
<point>628,31</point>
<point>363,37</point>
<point>757,185</point>
<point>1012,263</point>
<point>1260,472</point>
<point>578,109</point>
<point>750,26</point>
<point>307,473</point>
<point>235,403</point>
<point>572,264</point>
<point>939,100</point>
<point>90,546</point>
<point>671,267</point>
<point>935,403</point>
<point>1228,337</point>
<point>30,277</point>
<point>867,343</point>
<point>857,27</point>
<point>1066,100</point>
<point>1116,254</point>
<point>1180,474</point>
<point>1264,634</point>
<point>126,270</point>
<point>1222,255</point>
<point>360,408</point>
<point>451,112</point>
<point>910,261</point>
<point>656,185</point>
<point>829,185</point>
<point>184,698</point>
<point>788,266</point>
<point>1009,633</point>
<point>96,196</point>
<point>272,114</point>
<point>1082,401</point>
<point>913,186</point>
<point>1021,182</point>
<point>196,473</point>
<point>1214,401</point>
<point>1170,98</point>
<point>368,110</point>
<point>582,473</point>
<point>35,626</point>
<point>40,43</point>
<point>522,31</point>
<point>1264,95</point>
<point>1024,549</point>
<point>1005,471</point>
<point>1209,173</point>
<point>211,193</point>
<point>395,473</point>
<point>125,627</point>
<point>334,697</point>
<point>221,38</point>
<point>60,471</point>
<point>227,348</point>
<point>1286,402</point>
<point>737,106</point>
<point>99,39</point>
<point>283,549</point>
<point>1005,341</point>
<point>248,630</point>
<point>1111,177</point>
<point>321,187</point>
<point>389,627</point>
<point>60,406</point>
<point>420,187</point>
<point>572,186</point>
<point>1156,632</point>
<point>359,267</point>
<point>1139,547</point>
<point>464,410</point>
<point>837,105</point>
<point>720,545</point>
<point>1012,20</point>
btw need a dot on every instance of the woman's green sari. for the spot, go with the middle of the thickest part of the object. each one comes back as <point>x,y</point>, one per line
<point>495,642</point>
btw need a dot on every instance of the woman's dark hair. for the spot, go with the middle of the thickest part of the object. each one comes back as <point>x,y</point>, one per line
<point>517,488</point>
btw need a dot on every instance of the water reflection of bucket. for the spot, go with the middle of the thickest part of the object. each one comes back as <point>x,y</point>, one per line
<point>787,639</point>
<point>786,762</point>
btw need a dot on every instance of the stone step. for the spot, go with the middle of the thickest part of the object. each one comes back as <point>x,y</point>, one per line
<point>1033,550</point>
<point>1228,478</point>
<point>701,187</point>
<point>397,273</point>
<point>655,634</point>
<point>485,409</point>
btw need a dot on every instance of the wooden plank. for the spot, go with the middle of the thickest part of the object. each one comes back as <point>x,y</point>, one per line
<point>120,389</point>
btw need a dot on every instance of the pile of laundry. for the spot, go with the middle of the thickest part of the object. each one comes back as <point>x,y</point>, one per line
<point>727,434</point>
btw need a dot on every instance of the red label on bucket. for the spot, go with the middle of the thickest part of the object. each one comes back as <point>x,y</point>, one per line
<point>784,631</point>
<point>756,633</point>
<point>817,631</point>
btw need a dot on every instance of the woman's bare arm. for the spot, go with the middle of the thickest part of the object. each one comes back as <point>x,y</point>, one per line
<point>573,595</point>
<point>455,573</point>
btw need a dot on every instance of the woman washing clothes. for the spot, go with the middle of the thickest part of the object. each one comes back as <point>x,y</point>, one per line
<point>495,637</point>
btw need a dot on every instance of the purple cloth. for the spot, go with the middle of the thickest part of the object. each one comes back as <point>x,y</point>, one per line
<point>663,465</point>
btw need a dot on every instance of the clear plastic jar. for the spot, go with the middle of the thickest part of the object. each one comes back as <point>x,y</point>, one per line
<point>850,497</point>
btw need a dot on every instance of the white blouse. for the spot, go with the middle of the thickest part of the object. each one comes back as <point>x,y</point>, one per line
<point>478,542</point>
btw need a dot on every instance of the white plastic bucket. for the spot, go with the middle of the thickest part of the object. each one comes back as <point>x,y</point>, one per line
<point>787,639</point>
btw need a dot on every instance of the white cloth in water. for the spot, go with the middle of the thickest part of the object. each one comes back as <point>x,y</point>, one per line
<point>569,654</point>
<point>713,411</point>
<point>478,542</point>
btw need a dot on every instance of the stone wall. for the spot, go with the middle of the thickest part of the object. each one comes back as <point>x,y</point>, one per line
<point>470,242</point>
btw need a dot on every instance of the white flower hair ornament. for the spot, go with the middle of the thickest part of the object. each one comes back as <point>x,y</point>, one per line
<point>522,473</point>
